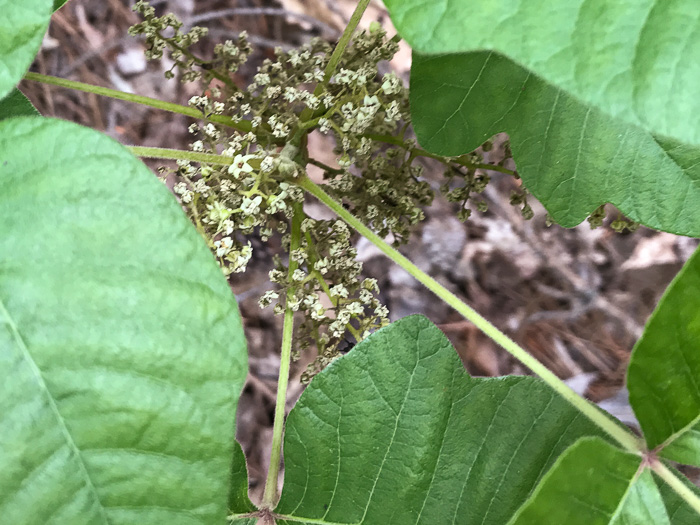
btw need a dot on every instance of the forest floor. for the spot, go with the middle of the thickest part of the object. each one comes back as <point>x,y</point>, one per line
<point>577,299</point>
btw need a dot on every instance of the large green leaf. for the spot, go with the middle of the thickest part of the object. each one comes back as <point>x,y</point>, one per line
<point>22,27</point>
<point>639,61</point>
<point>573,158</point>
<point>15,104</point>
<point>664,372</point>
<point>121,349</point>
<point>595,483</point>
<point>397,432</point>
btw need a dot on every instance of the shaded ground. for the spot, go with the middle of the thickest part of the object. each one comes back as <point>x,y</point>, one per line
<point>577,299</point>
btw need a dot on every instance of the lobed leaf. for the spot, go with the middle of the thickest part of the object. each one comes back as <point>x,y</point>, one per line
<point>396,431</point>
<point>636,61</point>
<point>663,377</point>
<point>121,348</point>
<point>572,157</point>
<point>22,28</point>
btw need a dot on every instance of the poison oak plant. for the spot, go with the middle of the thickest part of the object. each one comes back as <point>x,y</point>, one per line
<point>121,348</point>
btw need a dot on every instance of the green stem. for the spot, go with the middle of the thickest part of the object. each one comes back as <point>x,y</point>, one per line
<point>337,54</point>
<point>344,41</point>
<point>178,154</point>
<point>625,438</point>
<point>242,125</point>
<point>685,492</point>
<point>270,495</point>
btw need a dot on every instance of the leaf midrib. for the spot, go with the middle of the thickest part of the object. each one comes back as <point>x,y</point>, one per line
<point>52,405</point>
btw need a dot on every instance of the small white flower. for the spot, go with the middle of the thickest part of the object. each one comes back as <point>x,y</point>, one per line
<point>223,246</point>
<point>262,79</point>
<point>281,130</point>
<point>251,206</point>
<point>239,260</point>
<point>345,161</point>
<point>324,125</point>
<point>267,164</point>
<point>312,101</point>
<point>391,84</point>
<point>355,308</point>
<point>291,94</point>
<point>211,131</point>
<point>345,76</point>
<point>318,312</point>
<point>267,298</point>
<point>240,165</point>
<point>218,212</point>
<point>339,291</point>
<point>370,101</point>
<point>185,193</point>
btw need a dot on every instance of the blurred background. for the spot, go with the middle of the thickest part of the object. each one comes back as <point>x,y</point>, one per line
<point>577,299</point>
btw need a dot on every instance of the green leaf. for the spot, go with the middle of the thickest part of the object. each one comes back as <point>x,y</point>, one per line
<point>637,61</point>
<point>22,28</point>
<point>58,4</point>
<point>121,348</point>
<point>643,503</point>
<point>663,377</point>
<point>571,157</point>
<point>396,431</point>
<point>16,105</point>
<point>594,483</point>
<point>238,490</point>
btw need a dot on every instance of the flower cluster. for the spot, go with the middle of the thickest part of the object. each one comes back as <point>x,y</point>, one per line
<point>328,289</point>
<point>253,193</point>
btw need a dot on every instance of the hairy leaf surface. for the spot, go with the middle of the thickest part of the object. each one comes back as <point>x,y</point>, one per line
<point>22,27</point>
<point>238,491</point>
<point>634,60</point>
<point>398,432</point>
<point>15,104</point>
<point>595,483</point>
<point>664,372</point>
<point>678,510</point>
<point>573,158</point>
<point>121,348</point>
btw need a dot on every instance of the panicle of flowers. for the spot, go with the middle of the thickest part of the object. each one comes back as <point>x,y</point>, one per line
<point>363,107</point>
<point>327,288</point>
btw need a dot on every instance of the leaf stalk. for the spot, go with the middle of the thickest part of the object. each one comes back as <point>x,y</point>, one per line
<point>270,496</point>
